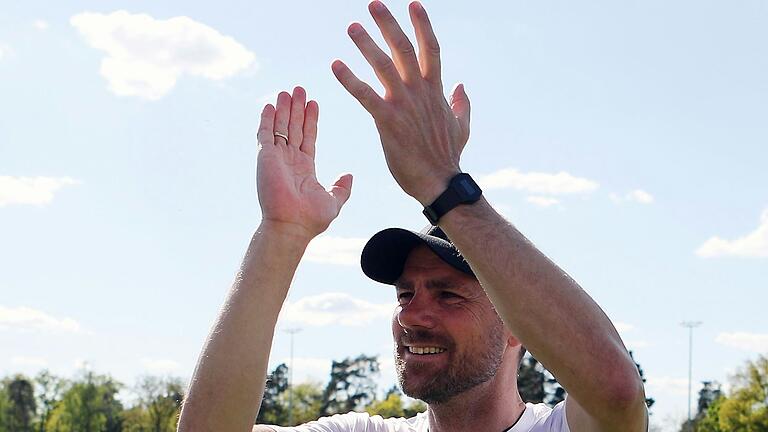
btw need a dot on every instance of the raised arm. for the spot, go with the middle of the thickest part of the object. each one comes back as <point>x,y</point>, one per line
<point>422,136</point>
<point>227,386</point>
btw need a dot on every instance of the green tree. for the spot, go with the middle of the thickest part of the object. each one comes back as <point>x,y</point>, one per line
<point>4,406</point>
<point>20,406</point>
<point>161,399</point>
<point>136,419</point>
<point>530,380</point>
<point>307,403</point>
<point>88,405</point>
<point>271,411</point>
<point>351,385</point>
<point>710,419</point>
<point>649,401</point>
<point>536,384</point>
<point>709,393</point>
<point>393,405</point>
<point>49,392</point>
<point>746,408</point>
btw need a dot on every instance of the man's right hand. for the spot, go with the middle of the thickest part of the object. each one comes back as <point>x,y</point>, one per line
<point>226,389</point>
<point>289,194</point>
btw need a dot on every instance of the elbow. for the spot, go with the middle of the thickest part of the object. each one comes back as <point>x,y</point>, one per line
<point>625,397</point>
<point>627,392</point>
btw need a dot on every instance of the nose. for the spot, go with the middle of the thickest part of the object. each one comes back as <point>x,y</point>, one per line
<point>418,312</point>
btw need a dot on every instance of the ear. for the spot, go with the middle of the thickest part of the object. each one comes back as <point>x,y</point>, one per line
<point>512,341</point>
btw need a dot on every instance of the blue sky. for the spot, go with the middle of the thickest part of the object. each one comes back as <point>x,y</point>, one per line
<point>627,140</point>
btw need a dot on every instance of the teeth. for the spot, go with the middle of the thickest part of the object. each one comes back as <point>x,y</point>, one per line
<point>425,350</point>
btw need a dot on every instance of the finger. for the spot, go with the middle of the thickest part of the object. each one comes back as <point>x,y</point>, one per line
<point>310,128</point>
<point>429,48</point>
<point>282,115</point>
<point>296,120</point>
<point>372,102</point>
<point>342,189</point>
<point>265,135</point>
<point>402,49</point>
<point>461,108</point>
<point>382,65</point>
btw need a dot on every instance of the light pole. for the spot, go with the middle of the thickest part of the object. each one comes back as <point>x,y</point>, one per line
<point>690,325</point>
<point>291,331</point>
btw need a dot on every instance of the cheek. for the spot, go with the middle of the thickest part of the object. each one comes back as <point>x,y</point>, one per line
<point>396,328</point>
<point>471,312</point>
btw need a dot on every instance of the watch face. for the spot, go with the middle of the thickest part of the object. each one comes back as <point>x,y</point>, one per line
<point>467,187</point>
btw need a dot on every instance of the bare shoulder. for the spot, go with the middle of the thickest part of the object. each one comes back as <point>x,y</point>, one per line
<point>262,428</point>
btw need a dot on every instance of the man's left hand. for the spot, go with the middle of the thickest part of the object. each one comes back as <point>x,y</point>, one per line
<point>421,133</point>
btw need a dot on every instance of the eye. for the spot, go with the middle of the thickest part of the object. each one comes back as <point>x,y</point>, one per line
<point>449,295</point>
<point>404,296</point>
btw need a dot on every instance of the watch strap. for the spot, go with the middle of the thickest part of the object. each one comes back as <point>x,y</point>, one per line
<point>462,189</point>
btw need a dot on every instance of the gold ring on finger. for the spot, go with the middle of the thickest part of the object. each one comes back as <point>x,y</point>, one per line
<point>283,136</point>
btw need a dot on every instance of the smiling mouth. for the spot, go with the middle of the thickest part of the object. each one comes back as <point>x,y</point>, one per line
<point>425,350</point>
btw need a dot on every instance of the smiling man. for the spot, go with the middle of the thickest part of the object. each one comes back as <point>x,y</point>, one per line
<point>472,290</point>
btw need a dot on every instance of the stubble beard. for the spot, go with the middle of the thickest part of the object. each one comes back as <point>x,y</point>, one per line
<point>463,372</point>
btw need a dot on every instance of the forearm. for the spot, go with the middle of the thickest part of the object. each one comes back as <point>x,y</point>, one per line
<point>228,382</point>
<point>546,309</point>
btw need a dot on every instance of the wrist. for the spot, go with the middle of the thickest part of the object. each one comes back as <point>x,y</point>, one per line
<point>461,190</point>
<point>429,192</point>
<point>289,231</point>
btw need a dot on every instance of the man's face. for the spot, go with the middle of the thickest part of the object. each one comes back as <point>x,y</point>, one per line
<point>448,338</point>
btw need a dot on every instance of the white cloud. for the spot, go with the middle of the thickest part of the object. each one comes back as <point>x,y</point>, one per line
<point>146,56</point>
<point>560,183</point>
<point>638,196</point>
<point>160,366</point>
<point>31,190</point>
<point>753,245</point>
<point>632,344</point>
<point>4,50</point>
<point>754,342</point>
<point>542,201</point>
<point>41,25</point>
<point>623,327</point>
<point>334,308</point>
<point>80,363</point>
<point>309,369</point>
<point>666,385</point>
<point>27,319</point>
<point>38,362</point>
<point>335,250</point>
<point>270,98</point>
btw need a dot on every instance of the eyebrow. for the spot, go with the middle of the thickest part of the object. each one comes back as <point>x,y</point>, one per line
<point>431,284</point>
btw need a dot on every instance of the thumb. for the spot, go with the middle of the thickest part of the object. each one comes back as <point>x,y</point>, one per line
<point>461,108</point>
<point>341,189</point>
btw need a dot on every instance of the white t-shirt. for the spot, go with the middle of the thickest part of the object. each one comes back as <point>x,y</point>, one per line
<point>535,418</point>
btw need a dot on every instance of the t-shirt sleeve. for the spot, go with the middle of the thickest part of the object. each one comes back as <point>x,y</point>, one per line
<point>350,422</point>
<point>557,422</point>
<point>549,419</point>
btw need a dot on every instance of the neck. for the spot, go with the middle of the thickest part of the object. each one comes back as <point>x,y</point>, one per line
<point>486,407</point>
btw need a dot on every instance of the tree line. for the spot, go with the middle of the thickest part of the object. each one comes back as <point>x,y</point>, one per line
<point>744,408</point>
<point>89,403</point>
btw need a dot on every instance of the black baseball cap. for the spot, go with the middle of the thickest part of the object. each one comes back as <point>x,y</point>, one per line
<point>384,255</point>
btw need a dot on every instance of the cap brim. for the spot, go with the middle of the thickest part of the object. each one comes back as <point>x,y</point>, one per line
<point>384,255</point>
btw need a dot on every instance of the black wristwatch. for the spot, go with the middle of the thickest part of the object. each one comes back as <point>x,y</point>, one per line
<point>461,190</point>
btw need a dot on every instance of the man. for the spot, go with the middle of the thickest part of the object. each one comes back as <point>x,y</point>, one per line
<point>461,318</point>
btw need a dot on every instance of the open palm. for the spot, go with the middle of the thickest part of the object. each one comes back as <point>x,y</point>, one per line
<point>289,192</point>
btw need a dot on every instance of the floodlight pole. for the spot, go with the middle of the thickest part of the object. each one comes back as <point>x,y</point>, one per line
<point>291,331</point>
<point>690,325</point>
